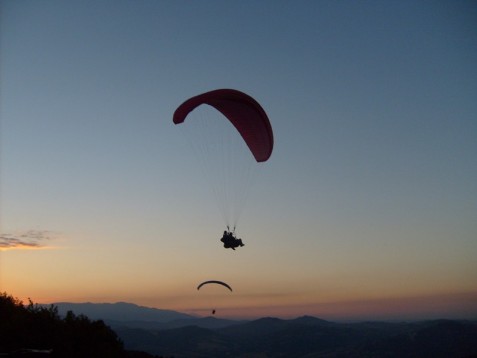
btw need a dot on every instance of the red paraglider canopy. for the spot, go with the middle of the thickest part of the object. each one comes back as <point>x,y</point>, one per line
<point>244,112</point>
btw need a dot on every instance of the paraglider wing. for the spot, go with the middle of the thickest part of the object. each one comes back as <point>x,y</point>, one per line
<point>213,281</point>
<point>244,112</point>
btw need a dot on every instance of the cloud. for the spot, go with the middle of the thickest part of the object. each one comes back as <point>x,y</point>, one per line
<point>31,239</point>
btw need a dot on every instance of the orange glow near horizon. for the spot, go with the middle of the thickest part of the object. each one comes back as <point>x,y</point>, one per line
<point>96,274</point>
<point>461,306</point>
<point>452,306</point>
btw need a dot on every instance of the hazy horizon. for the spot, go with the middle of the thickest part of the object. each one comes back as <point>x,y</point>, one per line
<point>411,309</point>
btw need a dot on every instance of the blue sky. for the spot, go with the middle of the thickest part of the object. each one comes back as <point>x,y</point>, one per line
<point>370,193</point>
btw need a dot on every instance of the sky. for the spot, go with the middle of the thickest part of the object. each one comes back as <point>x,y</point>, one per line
<point>367,208</point>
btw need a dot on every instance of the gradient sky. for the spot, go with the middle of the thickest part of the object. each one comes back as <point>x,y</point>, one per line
<point>366,209</point>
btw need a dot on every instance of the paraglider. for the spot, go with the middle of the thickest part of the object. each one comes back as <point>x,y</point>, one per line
<point>243,121</point>
<point>215,282</point>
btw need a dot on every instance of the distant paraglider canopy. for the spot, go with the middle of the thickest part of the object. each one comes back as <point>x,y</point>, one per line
<point>216,282</point>
<point>244,112</point>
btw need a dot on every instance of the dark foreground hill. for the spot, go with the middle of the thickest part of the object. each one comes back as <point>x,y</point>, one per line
<point>36,331</point>
<point>310,337</point>
<point>73,334</point>
<point>179,335</point>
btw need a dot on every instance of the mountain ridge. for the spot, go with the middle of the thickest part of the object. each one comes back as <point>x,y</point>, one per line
<point>121,311</point>
<point>306,336</point>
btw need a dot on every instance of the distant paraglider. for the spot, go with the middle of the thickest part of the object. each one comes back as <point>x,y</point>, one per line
<point>214,282</point>
<point>217,283</point>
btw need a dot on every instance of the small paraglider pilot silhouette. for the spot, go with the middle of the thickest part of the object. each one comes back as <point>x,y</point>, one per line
<point>230,241</point>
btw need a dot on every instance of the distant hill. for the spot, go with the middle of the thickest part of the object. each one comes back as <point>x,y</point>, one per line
<point>170,333</point>
<point>128,315</point>
<point>206,322</point>
<point>310,337</point>
<point>121,311</point>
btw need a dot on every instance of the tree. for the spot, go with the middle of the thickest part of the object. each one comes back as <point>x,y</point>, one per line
<point>41,328</point>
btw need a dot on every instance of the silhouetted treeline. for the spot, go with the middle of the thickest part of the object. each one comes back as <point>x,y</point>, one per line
<point>34,330</point>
